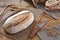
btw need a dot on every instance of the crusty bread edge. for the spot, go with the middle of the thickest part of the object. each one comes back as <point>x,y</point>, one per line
<point>16,29</point>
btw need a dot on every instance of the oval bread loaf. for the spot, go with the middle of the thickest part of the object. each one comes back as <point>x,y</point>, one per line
<point>18,22</point>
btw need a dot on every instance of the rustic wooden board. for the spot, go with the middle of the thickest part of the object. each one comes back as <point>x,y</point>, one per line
<point>23,35</point>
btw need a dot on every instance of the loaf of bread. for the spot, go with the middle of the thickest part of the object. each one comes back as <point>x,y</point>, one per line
<point>52,5</point>
<point>18,22</point>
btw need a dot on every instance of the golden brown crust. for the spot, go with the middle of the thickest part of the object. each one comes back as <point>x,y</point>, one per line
<point>20,19</point>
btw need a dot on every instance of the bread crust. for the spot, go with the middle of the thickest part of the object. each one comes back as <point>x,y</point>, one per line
<point>18,22</point>
<point>52,6</point>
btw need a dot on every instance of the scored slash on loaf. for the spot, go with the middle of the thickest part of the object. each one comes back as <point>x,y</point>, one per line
<point>18,22</point>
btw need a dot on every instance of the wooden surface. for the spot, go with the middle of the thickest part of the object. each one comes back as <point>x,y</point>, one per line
<point>35,38</point>
<point>23,35</point>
